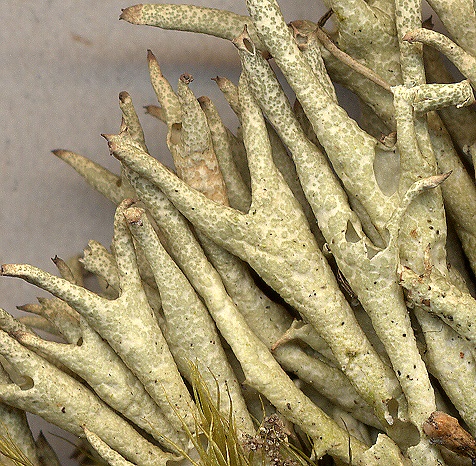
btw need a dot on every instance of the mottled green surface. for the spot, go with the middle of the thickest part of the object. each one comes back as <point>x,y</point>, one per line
<point>349,231</point>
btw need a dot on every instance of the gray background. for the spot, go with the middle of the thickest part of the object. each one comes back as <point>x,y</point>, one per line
<point>63,64</point>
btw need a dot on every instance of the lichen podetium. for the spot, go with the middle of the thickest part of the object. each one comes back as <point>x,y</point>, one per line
<point>285,296</point>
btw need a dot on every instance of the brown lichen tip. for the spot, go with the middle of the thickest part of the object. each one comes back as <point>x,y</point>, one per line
<point>436,180</point>
<point>223,83</point>
<point>33,308</point>
<point>133,215</point>
<point>156,112</point>
<point>132,14</point>
<point>150,56</point>
<point>444,430</point>
<point>128,202</point>
<point>243,42</point>
<point>204,101</point>
<point>56,260</point>
<point>186,78</point>
<point>301,38</point>
<point>61,153</point>
<point>125,97</point>
<point>428,23</point>
<point>154,66</point>
<point>7,269</point>
<point>410,36</point>
<point>110,142</point>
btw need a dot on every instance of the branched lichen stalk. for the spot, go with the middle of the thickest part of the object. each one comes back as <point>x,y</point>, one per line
<point>69,404</point>
<point>294,272</point>
<point>339,218</point>
<point>190,331</point>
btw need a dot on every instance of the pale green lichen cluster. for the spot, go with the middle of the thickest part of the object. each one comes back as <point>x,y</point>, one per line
<point>346,222</point>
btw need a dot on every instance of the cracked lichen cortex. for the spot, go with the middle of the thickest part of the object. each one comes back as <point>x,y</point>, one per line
<point>185,352</point>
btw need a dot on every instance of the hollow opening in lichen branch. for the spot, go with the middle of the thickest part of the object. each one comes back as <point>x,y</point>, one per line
<point>387,170</point>
<point>171,291</point>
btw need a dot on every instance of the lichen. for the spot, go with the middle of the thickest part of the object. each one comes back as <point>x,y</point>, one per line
<point>285,293</point>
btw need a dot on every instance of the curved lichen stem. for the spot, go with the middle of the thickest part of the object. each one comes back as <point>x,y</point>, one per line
<point>349,61</point>
<point>212,21</point>
<point>344,142</point>
<point>151,360</point>
<point>191,251</point>
<point>464,61</point>
<point>261,369</point>
<point>238,236</point>
<point>459,19</point>
<point>66,402</point>
<point>191,333</point>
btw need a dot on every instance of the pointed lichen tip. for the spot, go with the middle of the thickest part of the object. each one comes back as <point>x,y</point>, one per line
<point>151,56</point>
<point>299,33</point>
<point>31,308</point>
<point>133,215</point>
<point>204,101</point>
<point>7,269</point>
<point>111,140</point>
<point>186,78</point>
<point>126,203</point>
<point>153,63</point>
<point>410,36</point>
<point>222,83</point>
<point>132,14</point>
<point>436,180</point>
<point>124,97</point>
<point>428,23</point>
<point>57,260</point>
<point>243,42</point>
<point>61,153</point>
